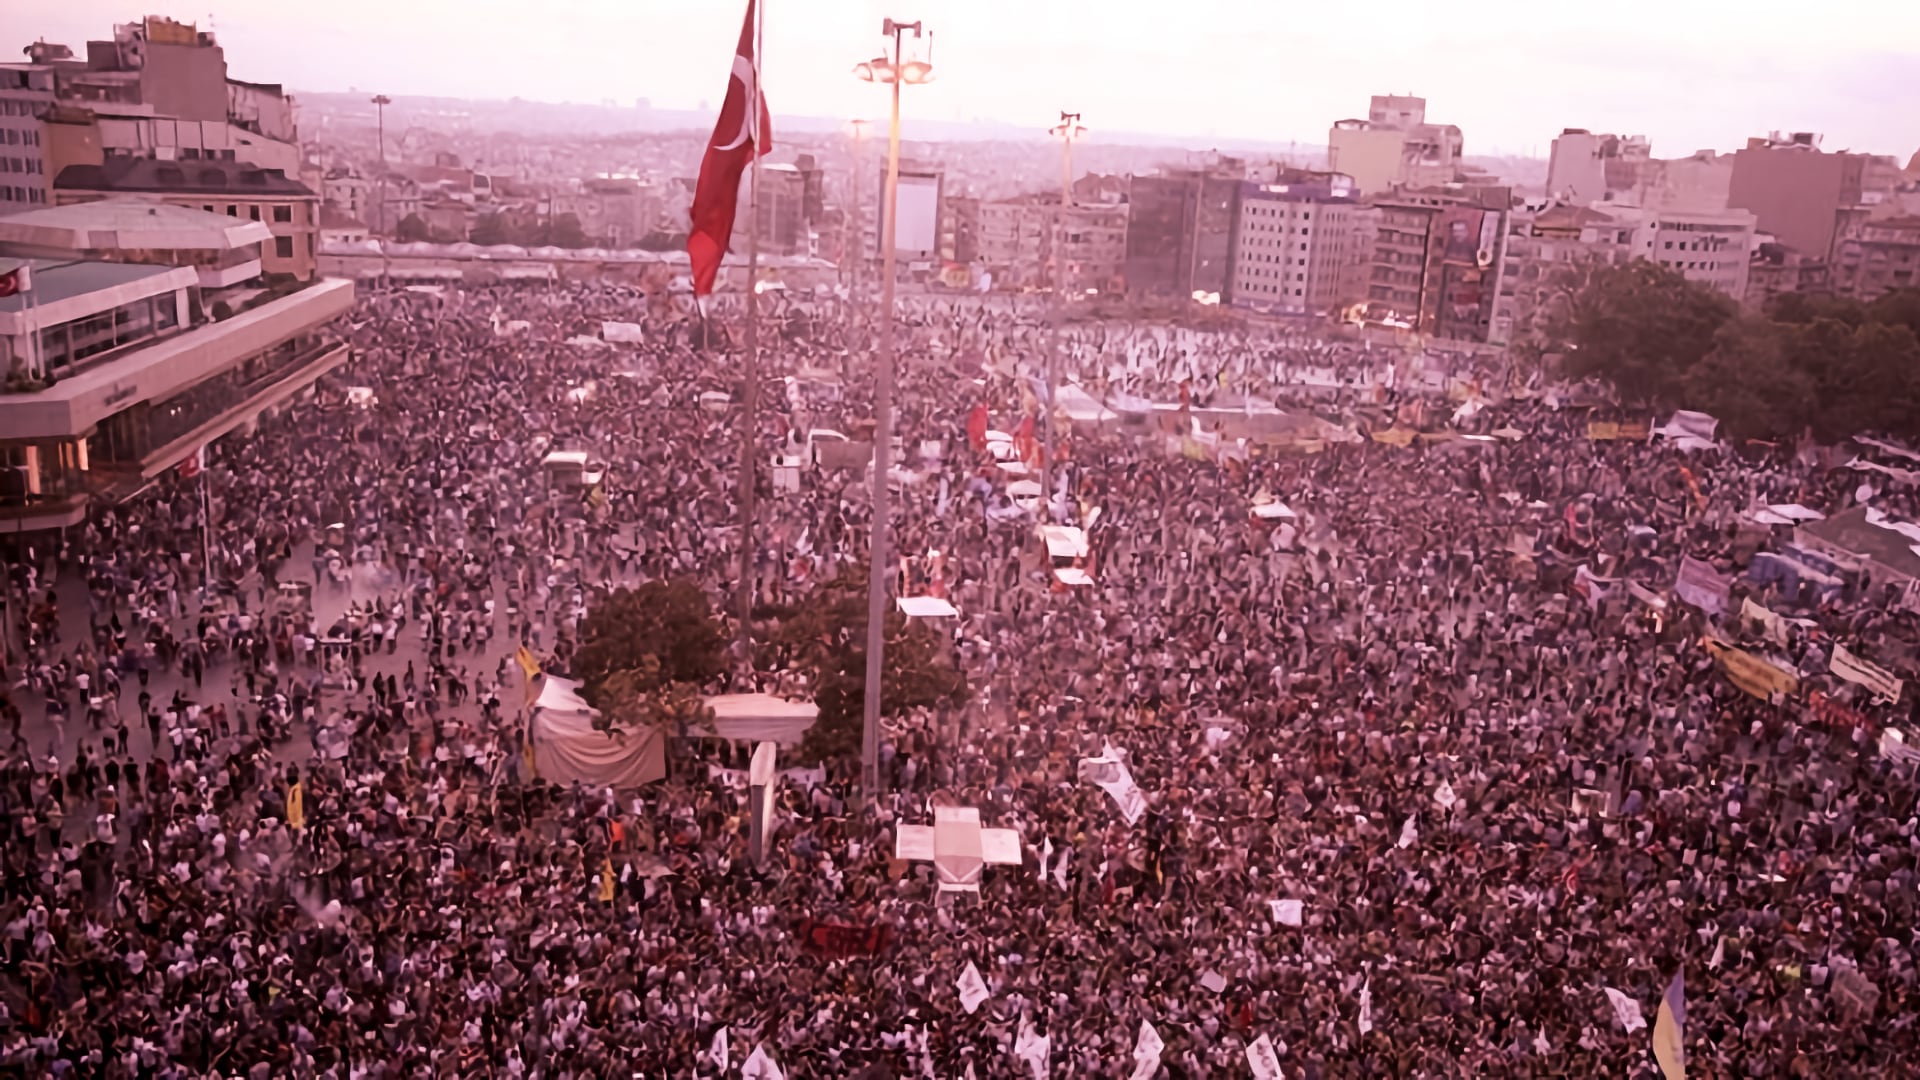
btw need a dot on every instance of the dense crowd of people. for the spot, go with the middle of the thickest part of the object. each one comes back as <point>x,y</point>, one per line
<point>266,812</point>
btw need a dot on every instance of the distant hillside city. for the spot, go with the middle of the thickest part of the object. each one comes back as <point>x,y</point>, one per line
<point>1390,223</point>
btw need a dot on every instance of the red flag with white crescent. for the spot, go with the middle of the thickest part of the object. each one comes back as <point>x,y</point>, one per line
<point>736,139</point>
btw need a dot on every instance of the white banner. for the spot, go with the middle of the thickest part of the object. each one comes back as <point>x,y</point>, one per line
<point>1627,1010</point>
<point>1263,1060</point>
<point>1702,586</point>
<point>973,989</point>
<point>1146,1052</point>
<point>1865,673</point>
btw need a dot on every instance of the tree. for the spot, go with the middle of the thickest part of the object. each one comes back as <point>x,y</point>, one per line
<point>1865,378</point>
<point>1641,328</point>
<point>565,231</point>
<point>489,230</point>
<point>827,636</point>
<point>411,230</point>
<point>1900,307</point>
<point>1749,381</point>
<point>646,652</point>
<point>1802,308</point>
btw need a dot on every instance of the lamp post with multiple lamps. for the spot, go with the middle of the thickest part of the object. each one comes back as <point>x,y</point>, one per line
<point>1066,131</point>
<point>895,71</point>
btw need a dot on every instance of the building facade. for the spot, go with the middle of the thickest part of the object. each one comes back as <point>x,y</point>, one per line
<point>1800,194</point>
<point>1436,261</point>
<point>289,209</point>
<point>1180,230</point>
<point>1876,257</point>
<point>1586,167</point>
<point>26,94</point>
<point>1293,248</point>
<point>1395,147</point>
<point>136,343</point>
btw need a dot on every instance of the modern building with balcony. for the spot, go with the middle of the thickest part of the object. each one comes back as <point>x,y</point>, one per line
<point>145,332</point>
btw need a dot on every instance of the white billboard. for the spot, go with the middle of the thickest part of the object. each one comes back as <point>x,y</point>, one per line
<point>917,230</point>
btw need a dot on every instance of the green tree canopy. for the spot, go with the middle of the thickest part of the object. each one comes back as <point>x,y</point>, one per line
<point>1641,327</point>
<point>826,635</point>
<point>644,650</point>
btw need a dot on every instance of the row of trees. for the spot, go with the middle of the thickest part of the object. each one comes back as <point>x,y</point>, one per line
<point>648,656</point>
<point>1831,365</point>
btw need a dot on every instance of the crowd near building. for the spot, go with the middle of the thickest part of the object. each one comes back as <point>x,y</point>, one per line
<point>1331,694</point>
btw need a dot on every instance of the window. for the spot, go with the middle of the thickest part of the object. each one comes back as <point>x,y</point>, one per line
<point>283,246</point>
<point>233,211</point>
<point>254,212</point>
<point>283,214</point>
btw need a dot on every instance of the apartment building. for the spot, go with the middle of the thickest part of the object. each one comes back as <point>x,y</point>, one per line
<point>1394,147</point>
<point>1878,256</point>
<point>26,93</point>
<point>1292,247</point>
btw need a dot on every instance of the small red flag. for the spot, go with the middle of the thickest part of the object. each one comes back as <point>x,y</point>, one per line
<point>736,139</point>
<point>13,281</point>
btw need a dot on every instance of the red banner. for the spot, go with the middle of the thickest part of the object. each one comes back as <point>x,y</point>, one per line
<point>844,939</point>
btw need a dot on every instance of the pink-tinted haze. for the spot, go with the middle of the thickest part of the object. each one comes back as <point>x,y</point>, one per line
<point>1691,74</point>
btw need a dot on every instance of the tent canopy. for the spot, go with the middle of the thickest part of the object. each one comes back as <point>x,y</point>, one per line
<point>567,748</point>
<point>761,718</point>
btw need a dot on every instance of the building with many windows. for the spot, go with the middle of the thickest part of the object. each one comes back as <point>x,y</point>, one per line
<point>145,332</point>
<point>1878,256</point>
<point>26,93</point>
<point>1292,247</point>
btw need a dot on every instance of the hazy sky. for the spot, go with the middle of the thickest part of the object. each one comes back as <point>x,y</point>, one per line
<point>1689,73</point>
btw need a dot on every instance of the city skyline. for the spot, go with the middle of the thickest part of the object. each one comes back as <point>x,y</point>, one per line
<point>1511,80</point>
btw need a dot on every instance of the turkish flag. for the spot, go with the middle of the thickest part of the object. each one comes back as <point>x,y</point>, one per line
<point>13,281</point>
<point>735,141</point>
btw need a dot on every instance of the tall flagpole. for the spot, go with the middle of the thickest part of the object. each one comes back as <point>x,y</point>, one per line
<point>750,404</point>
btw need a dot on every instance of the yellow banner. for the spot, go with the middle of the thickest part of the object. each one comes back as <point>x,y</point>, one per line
<point>1400,437</point>
<point>606,882</point>
<point>1752,674</point>
<point>1602,430</point>
<point>296,806</point>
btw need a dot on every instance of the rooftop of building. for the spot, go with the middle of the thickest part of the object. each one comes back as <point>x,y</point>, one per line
<point>57,279</point>
<point>195,177</point>
<point>128,224</point>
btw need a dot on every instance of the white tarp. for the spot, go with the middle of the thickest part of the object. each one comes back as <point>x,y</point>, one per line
<point>1111,775</point>
<point>927,607</point>
<point>623,333</point>
<point>957,847</point>
<point>566,747</point>
<point>761,718</point>
<point>1271,511</point>
<point>1689,425</point>
<point>1064,541</point>
<point>1073,576</point>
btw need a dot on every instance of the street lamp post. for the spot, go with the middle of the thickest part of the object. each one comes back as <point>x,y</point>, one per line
<point>1067,131</point>
<point>894,72</point>
<point>380,103</point>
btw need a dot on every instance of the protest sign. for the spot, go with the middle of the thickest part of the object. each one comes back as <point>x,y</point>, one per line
<point>1702,586</point>
<point>1751,673</point>
<point>1862,672</point>
<point>973,989</point>
<point>1263,1060</point>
